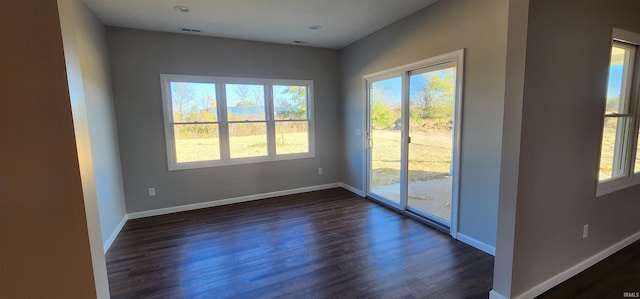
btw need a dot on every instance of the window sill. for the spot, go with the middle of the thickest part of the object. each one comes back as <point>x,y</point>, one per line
<point>237,161</point>
<point>611,186</point>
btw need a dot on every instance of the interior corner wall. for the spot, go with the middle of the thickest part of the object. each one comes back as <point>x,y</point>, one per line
<point>567,61</point>
<point>480,27</point>
<point>512,124</point>
<point>139,57</point>
<point>46,247</point>
<point>95,129</point>
<point>96,81</point>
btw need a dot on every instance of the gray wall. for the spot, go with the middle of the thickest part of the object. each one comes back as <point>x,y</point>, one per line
<point>96,80</point>
<point>139,57</point>
<point>94,126</point>
<point>481,28</point>
<point>567,57</point>
<point>514,89</point>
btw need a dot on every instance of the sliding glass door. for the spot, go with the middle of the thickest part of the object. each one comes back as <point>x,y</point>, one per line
<point>413,134</point>
<point>431,107</point>
<point>385,139</point>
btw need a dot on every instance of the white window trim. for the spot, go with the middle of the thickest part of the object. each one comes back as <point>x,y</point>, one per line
<point>632,176</point>
<point>270,121</point>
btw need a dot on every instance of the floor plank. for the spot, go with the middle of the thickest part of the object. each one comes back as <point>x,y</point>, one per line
<point>323,244</point>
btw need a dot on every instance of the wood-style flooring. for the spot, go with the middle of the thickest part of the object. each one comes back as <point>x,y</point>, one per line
<point>322,244</point>
<point>611,278</point>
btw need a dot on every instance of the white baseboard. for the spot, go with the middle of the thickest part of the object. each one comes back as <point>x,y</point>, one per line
<point>108,242</point>
<point>571,272</point>
<point>352,189</point>
<point>227,201</point>
<point>495,295</point>
<point>476,243</point>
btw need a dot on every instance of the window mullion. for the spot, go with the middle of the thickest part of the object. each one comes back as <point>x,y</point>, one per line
<point>224,122</point>
<point>270,118</point>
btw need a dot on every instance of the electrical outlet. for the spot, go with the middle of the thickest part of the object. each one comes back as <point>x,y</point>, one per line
<point>152,191</point>
<point>585,231</point>
<point>320,170</point>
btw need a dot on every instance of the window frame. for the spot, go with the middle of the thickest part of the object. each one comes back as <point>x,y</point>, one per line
<point>223,122</point>
<point>630,176</point>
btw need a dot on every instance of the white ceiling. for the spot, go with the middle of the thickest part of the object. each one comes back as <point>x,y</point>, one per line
<point>278,21</point>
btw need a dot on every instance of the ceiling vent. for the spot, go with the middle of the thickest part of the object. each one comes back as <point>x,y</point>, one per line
<point>181,8</point>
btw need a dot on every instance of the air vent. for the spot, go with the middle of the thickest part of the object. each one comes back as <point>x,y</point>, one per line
<point>299,42</point>
<point>190,30</point>
<point>181,8</point>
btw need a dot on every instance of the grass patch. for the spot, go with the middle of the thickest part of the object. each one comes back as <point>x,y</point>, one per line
<point>429,156</point>
<point>207,149</point>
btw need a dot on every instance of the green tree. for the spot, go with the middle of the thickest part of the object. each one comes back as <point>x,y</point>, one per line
<point>382,116</point>
<point>383,111</point>
<point>435,102</point>
<point>293,105</point>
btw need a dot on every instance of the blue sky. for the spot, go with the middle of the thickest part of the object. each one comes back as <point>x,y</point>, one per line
<point>393,87</point>
<point>254,91</point>
<point>615,80</point>
<point>201,91</point>
<point>233,98</point>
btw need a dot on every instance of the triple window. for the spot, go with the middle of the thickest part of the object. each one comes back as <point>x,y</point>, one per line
<point>619,159</point>
<point>215,121</point>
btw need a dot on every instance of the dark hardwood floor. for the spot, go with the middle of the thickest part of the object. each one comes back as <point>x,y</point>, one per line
<point>321,244</point>
<point>610,278</point>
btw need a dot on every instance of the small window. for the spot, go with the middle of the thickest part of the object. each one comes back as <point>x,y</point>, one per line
<point>215,121</point>
<point>619,163</point>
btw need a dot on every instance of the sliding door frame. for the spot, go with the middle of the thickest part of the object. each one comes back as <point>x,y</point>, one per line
<point>455,57</point>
